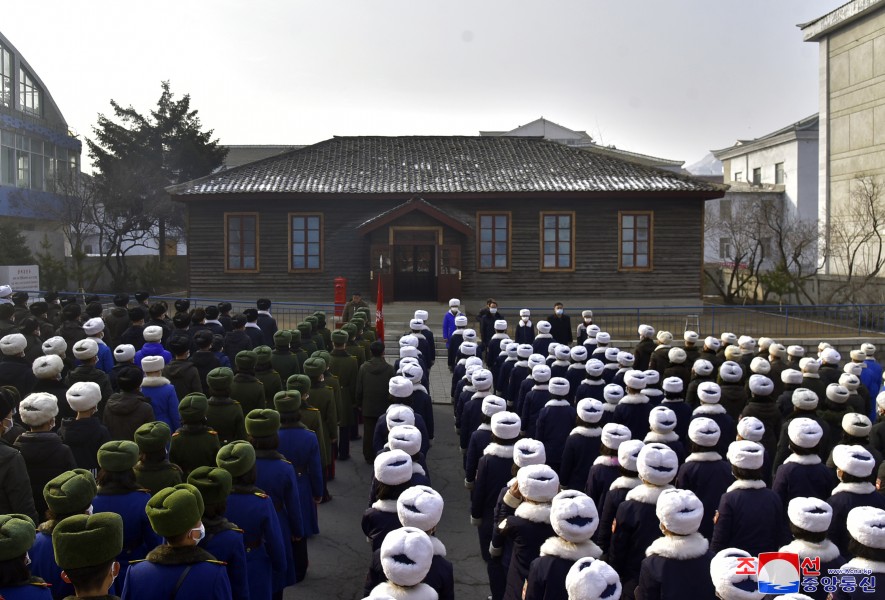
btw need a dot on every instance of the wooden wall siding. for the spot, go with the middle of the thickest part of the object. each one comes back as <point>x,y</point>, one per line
<point>678,235</point>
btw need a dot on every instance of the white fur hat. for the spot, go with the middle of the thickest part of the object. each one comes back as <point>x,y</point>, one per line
<point>467,348</point>
<point>858,355</point>
<point>150,364</point>
<point>416,324</point>
<point>512,347</point>
<point>13,344</point>
<point>400,387</point>
<point>603,337</point>
<point>837,393</point>
<point>866,524</point>
<point>573,516</point>
<point>48,367</point>
<point>795,351</point>
<point>469,335</point>
<point>729,584</point>
<point>612,393</point>
<point>408,352</point>
<point>594,367</point>
<point>399,414</point>
<point>704,432</point>
<point>611,354</point>
<point>502,345</point>
<point>541,373</point>
<point>747,344</point>
<point>854,460</point>
<point>529,452</point>
<point>709,392</point>
<point>677,356</point>
<point>751,429</point>
<point>614,434</point>
<point>406,438</point>
<point>702,367</point>
<point>809,364</point>
<point>506,425</point>
<point>124,353</point>
<point>413,372</point>
<point>587,314</point>
<point>454,302</point>
<point>868,349</point>
<point>5,291</point>
<point>804,399</point>
<point>625,359</point>
<point>55,345</point>
<point>777,350</point>
<point>393,467</point>
<point>87,348</point>
<point>38,409</point>
<point>500,325</point>
<point>849,381</point>
<point>761,385</point>
<point>422,314</point>
<point>592,579</point>
<point>407,360</point>
<point>805,433</point>
<point>535,360</point>
<point>880,401</point>
<point>578,354</point>
<point>673,385</point>
<point>420,506</point>
<point>492,405</point>
<point>728,338</point>
<point>657,464</point>
<point>524,312</point>
<point>712,343</point>
<point>562,352</point>
<point>810,514</point>
<point>628,453</point>
<point>544,326</point>
<point>482,379</point>
<point>558,386</point>
<point>153,333</point>
<point>830,356</point>
<point>746,454</point>
<point>592,331</point>
<point>635,380</point>
<point>853,368</point>
<point>732,353</point>
<point>661,419</point>
<point>856,424</point>
<point>791,377</point>
<point>406,556</point>
<point>646,331</point>
<point>765,343</point>
<point>93,326</point>
<point>408,340</point>
<point>538,483</point>
<point>679,511</point>
<point>652,377</point>
<point>664,337</point>
<point>83,396</point>
<point>590,410</point>
<point>472,361</point>
<point>690,337</point>
<point>461,321</point>
<point>730,372</point>
<point>760,365</point>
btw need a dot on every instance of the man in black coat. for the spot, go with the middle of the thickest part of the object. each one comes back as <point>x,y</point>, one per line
<point>15,370</point>
<point>266,322</point>
<point>560,325</point>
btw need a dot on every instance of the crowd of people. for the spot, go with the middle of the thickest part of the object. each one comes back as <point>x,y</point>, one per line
<point>145,456</point>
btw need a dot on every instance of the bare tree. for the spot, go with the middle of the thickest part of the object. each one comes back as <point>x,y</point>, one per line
<point>73,208</point>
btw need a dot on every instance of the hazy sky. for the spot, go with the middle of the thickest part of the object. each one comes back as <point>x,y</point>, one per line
<point>672,78</point>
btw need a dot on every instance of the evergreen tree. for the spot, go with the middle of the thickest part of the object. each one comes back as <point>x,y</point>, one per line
<point>13,246</point>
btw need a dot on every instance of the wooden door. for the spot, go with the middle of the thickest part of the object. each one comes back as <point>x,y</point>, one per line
<point>414,271</point>
<point>449,279</point>
<point>380,262</point>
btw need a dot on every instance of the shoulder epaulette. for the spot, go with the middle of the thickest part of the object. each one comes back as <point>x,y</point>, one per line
<point>174,434</point>
<point>213,432</point>
<point>217,562</point>
<point>261,494</point>
<point>133,562</point>
<point>41,584</point>
<point>146,491</point>
<point>238,530</point>
<point>312,408</point>
<point>288,462</point>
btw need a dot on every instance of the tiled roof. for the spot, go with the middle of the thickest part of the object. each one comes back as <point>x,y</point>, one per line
<point>440,165</point>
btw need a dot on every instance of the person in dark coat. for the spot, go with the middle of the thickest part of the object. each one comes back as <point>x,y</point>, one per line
<point>705,472</point>
<point>256,335</point>
<point>245,387</point>
<point>803,474</point>
<point>560,325</point>
<point>153,471</point>
<point>406,558</point>
<point>182,373</point>
<point>662,424</point>
<point>18,582</point>
<point>676,565</point>
<point>659,360</point>
<point>804,404</point>
<point>48,371</point>
<point>471,414</point>
<point>284,361</point>
<point>574,519</point>
<point>555,422</point>
<point>763,407</point>
<point>204,359</point>
<point>371,394</point>
<point>750,515</point>
<point>128,409</point>
<point>45,455</point>
<point>593,384</point>
<point>752,429</point>
<point>709,395</point>
<point>829,370</point>
<point>236,340</point>
<point>628,454</point>
<point>835,407</point>
<point>865,526</point>
<point>702,370</point>
<point>605,468</point>
<point>582,445</point>
<point>525,332</point>
<point>86,548</point>
<point>679,365</point>
<point>855,469</point>
<point>674,399</point>
<point>85,434</point>
<point>265,321</point>
<point>544,338</point>
<point>15,370</point>
<point>71,329</point>
<point>15,485</point>
<point>792,380</point>
<point>194,444</point>
<point>560,365</point>
<point>86,352</point>
<point>224,414</point>
<point>633,409</point>
<point>157,317</point>
<point>482,437</point>
<point>506,361</point>
<point>809,521</point>
<point>535,399</point>
<point>733,396</point>
<point>393,470</point>
<point>643,349</point>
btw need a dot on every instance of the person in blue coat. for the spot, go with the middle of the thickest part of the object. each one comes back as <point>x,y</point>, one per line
<point>535,399</point>
<point>179,568</point>
<point>676,565</point>
<point>276,477</point>
<point>393,470</point>
<point>636,524</point>
<point>94,328</point>
<point>253,511</point>
<point>482,437</point>
<point>582,445</point>
<point>809,521</point>
<point>750,515</point>
<point>662,423</point>
<point>555,422</point>
<point>86,549</point>
<point>153,336</point>
<point>605,468</point>
<point>871,376</point>
<point>160,392</point>
<point>454,341</point>
<point>865,525</point>
<point>18,534</point>
<point>633,409</point>
<point>709,394</point>
<point>803,474</point>
<point>574,519</point>
<point>705,472</point>
<point>593,384</point>
<point>119,493</point>
<point>628,454</point>
<point>674,399</point>
<point>449,324</point>
<point>855,469</point>
<point>224,540</point>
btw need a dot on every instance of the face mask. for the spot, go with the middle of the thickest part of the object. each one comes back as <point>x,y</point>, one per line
<point>525,319</point>
<point>89,510</point>
<point>558,311</point>
<point>202,530</point>
<point>493,310</point>
<point>27,559</point>
<point>454,310</point>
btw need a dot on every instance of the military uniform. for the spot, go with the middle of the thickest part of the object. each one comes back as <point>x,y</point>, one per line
<point>284,361</point>
<point>322,397</point>
<point>267,375</point>
<point>194,446</point>
<point>346,368</point>
<point>162,575</point>
<point>246,388</point>
<point>311,416</point>
<point>253,511</point>
<point>224,414</point>
<point>297,348</point>
<point>307,343</point>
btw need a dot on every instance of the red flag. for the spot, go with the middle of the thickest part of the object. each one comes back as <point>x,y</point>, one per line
<point>379,313</point>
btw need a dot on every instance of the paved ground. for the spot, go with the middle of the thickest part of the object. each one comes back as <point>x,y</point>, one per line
<point>340,555</point>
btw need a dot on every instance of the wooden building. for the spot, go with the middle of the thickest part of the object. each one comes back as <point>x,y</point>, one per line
<point>436,217</point>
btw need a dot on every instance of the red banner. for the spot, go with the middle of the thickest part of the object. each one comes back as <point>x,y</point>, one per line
<point>379,313</point>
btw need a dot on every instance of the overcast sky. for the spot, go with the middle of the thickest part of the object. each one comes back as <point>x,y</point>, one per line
<point>672,78</point>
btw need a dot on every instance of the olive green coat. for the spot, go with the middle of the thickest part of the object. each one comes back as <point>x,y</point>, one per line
<point>286,364</point>
<point>322,397</point>
<point>312,418</point>
<point>248,391</point>
<point>371,387</point>
<point>156,477</point>
<point>356,350</point>
<point>345,368</point>
<point>271,380</point>
<point>194,446</point>
<point>225,415</point>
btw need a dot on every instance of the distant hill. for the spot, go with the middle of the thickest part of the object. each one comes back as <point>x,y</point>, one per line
<point>706,166</point>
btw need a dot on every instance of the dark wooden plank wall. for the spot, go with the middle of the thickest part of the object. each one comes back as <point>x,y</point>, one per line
<point>678,235</point>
